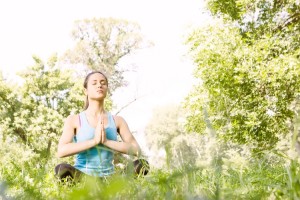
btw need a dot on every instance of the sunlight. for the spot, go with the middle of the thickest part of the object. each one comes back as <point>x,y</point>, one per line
<point>43,28</point>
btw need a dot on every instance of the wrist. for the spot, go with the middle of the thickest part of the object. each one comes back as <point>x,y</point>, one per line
<point>105,142</point>
<point>94,142</point>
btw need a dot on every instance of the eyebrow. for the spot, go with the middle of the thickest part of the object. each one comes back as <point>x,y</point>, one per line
<point>101,81</point>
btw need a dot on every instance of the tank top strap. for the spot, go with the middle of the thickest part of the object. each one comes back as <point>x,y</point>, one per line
<point>111,121</point>
<point>82,119</point>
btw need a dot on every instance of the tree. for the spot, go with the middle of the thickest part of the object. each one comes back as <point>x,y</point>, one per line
<point>9,104</point>
<point>247,87</point>
<point>165,132</point>
<point>101,43</point>
<point>260,17</point>
<point>33,113</point>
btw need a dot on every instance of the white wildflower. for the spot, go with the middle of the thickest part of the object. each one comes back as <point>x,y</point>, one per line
<point>271,113</point>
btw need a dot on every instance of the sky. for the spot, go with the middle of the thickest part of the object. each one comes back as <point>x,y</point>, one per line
<point>162,73</point>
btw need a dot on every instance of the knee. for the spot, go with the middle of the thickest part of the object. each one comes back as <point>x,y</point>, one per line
<point>141,167</point>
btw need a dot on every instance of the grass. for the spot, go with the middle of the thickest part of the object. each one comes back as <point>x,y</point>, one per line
<point>231,175</point>
<point>260,180</point>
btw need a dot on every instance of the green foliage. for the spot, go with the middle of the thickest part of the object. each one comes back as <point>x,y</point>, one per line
<point>232,8</point>
<point>165,133</point>
<point>236,174</point>
<point>248,71</point>
<point>245,88</point>
<point>258,18</point>
<point>164,126</point>
<point>33,112</point>
<point>101,43</point>
<point>52,87</point>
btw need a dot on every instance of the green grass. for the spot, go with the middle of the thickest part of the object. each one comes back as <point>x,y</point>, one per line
<point>259,180</point>
<point>269,177</point>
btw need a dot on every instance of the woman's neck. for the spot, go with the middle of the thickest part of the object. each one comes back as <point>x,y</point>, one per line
<point>95,108</point>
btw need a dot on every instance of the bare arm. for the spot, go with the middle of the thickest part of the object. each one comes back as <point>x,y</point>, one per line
<point>66,147</point>
<point>128,145</point>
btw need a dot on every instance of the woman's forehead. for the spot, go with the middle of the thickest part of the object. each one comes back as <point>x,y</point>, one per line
<point>97,76</point>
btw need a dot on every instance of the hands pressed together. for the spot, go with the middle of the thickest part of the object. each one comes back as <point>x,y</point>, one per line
<point>100,135</point>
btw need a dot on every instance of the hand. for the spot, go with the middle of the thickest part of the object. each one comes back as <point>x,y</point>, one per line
<point>100,135</point>
<point>103,133</point>
<point>97,134</point>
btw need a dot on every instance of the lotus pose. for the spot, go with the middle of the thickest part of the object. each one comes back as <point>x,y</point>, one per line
<point>91,135</point>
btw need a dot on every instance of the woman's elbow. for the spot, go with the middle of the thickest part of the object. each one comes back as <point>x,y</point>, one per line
<point>60,153</point>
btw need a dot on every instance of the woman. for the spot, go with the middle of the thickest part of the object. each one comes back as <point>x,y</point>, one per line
<point>92,134</point>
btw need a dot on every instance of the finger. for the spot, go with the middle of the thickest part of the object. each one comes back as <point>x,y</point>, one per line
<point>100,119</point>
<point>102,129</point>
<point>103,134</point>
<point>100,135</point>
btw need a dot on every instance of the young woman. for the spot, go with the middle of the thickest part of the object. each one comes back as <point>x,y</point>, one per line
<point>92,134</point>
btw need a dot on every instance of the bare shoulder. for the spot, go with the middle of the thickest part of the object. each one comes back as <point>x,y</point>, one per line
<point>72,120</point>
<point>119,120</point>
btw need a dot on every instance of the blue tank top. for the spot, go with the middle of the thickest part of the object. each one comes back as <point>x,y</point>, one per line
<point>96,161</point>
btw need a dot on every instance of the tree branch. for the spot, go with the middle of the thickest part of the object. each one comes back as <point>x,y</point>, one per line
<point>292,19</point>
<point>128,104</point>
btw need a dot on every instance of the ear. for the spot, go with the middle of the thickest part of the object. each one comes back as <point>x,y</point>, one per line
<point>85,91</point>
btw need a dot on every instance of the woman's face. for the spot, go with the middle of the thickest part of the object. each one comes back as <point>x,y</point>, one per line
<point>97,86</point>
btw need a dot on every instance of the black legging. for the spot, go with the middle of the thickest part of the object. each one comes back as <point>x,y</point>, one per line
<point>141,167</point>
<point>65,170</point>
